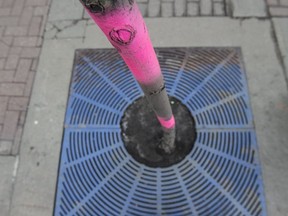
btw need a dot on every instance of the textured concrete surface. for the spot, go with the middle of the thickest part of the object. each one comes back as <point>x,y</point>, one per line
<point>65,10</point>
<point>281,31</point>
<point>8,167</point>
<point>36,179</point>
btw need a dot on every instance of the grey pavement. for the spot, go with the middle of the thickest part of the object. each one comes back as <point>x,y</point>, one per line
<point>8,167</point>
<point>28,181</point>
<point>281,31</point>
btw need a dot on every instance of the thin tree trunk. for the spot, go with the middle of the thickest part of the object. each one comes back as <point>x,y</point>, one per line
<point>123,24</point>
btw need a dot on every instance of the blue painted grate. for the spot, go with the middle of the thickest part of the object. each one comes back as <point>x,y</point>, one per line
<point>221,176</point>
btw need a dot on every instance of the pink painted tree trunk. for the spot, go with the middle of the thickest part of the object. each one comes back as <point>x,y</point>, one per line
<point>123,25</point>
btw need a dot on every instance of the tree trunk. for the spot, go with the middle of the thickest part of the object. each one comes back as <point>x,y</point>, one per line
<point>123,24</point>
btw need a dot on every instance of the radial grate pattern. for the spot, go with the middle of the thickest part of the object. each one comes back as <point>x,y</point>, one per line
<point>221,176</point>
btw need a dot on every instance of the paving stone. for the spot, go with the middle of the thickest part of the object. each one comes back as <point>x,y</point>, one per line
<point>7,166</point>
<point>154,8</point>
<point>17,141</point>
<point>167,9</point>
<point>278,8</point>
<point>34,65</point>
<point>23,70</point>
<point>18,103</point>
<point>41,11</point>
<point>7,3</point>
<point>30,52</point>
<point>22,118</point>
<point>206,7</point>
<point>2,28</point>
<point>5,11</point>
<point>3,108</point>
<point>193,9</point>
<point>15,50</point>
<point>5,147</point>
<point>180,8</point>
<point>248,8</point>
<point>39,42</point>
<point>12,89</point>
<point>7,40</point>
<point>18,7</point>
<point>10,125</point>
<point>2,63</point>
<point>35,26</point>
<point>29,84</point>
<point>16,31</point>
<point>279,11</point>
<point>218,9</point>
<point>272,2</point>
<point>26,16</point>
<point>6,76</point>
<point>12,62</point>
<point>284,2</point>
<point>25,41</point>
<point>43,23</point>
<point>4,49</point>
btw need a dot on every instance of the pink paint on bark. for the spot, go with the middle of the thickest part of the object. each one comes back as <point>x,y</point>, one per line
<point>127,31</point>
<point>169,124</point>
<point>125,28</point>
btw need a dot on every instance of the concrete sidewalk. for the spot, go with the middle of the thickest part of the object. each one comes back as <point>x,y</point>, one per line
<point>28,178</point>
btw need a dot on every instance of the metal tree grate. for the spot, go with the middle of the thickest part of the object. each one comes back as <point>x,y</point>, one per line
<point>221,176</point>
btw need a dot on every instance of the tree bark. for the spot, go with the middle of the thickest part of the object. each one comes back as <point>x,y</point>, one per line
<point>123,25</point>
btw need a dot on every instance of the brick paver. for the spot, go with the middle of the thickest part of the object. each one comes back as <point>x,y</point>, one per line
<point>182,8</point>
<point>278,8</point>
<point>21,32</point>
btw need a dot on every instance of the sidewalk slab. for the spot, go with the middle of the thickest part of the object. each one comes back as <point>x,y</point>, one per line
<point>40,150</point>
<point>281,30</point>
<point>65,10</point>
<point>248,8</point>
<point>65,29</point>
<point>7,165</point>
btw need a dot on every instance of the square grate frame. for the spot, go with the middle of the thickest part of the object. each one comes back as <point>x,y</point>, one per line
<point>222,174</point>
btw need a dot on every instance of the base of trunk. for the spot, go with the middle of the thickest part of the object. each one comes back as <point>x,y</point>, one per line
<point>143,135</point>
